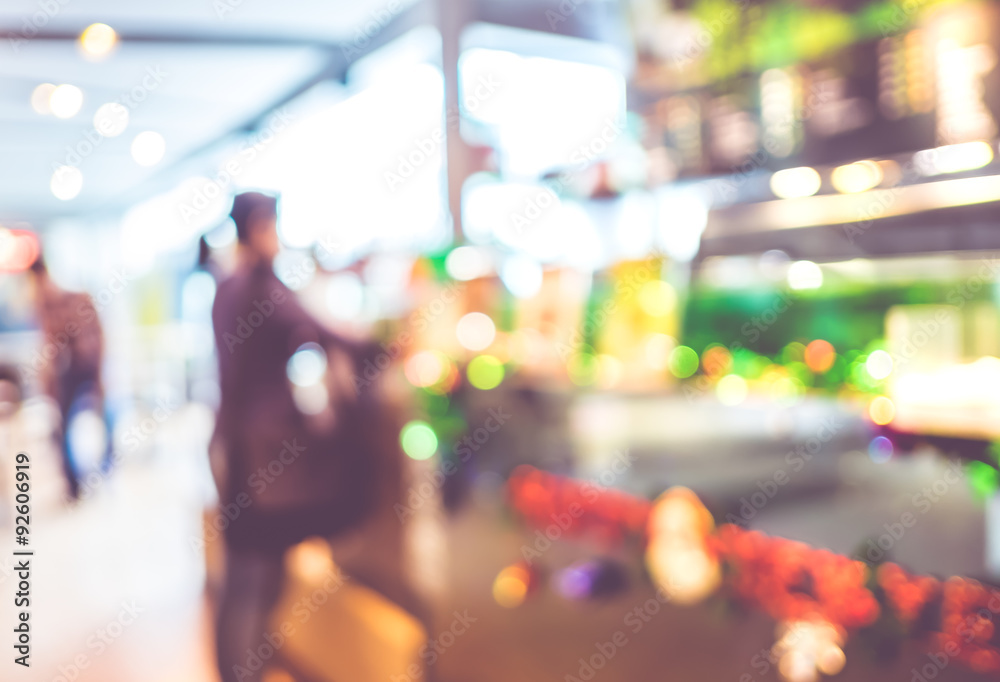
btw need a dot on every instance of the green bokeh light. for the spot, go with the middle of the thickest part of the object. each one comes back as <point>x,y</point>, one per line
<point>418,440</point>
<point>983,479</point>
<point>683,362</point>
<point>485,372</point>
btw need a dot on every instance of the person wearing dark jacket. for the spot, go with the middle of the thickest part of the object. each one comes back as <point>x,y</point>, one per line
<point>288,471</point>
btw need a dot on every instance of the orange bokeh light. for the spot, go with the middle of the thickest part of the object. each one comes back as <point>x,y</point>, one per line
<point>819,356</point>
<point>716,360</point>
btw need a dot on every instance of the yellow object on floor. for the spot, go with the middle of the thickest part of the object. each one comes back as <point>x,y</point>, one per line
<point>336,630</point>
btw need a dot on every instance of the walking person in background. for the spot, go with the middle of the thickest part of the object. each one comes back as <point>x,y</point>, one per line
<point>71,356</point>
<point>294,467</point>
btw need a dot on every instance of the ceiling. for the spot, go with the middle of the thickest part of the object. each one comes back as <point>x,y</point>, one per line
<point>222,66</point>
<point>203,69</point>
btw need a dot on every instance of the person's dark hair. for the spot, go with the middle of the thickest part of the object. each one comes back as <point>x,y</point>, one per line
<point>38,266</point>
<point>10,375</point>
<point>248,207</point>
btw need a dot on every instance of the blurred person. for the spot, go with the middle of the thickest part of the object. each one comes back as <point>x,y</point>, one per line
<point>288,470</point>
<point>29,426</point>
<point>10,403</point>
<point>69,368</point>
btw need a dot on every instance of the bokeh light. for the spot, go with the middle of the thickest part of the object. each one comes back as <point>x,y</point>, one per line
<point>793,183</point>
<point>65,101</point>
<point>511,586</point>
<point>66,183</point>
<point>418,440</point>
<point>879,365</point>
<point>804,274</point>
<point>98,40</point>
<point>307,365</point>
<point>881,410</point>
<point>819,356</point>
<point>425,368</point>
<point>731,389</point>
<point>716,360</point>
<point>40,97</point>
<point>18,250</point>
<point>111,119</point>
<point>475,331</point>
<point>880,449</point>
<point>485,372</point>
<point>683,362</point>
<point>657,298</point>
<point>856,177</point>
<point>148,148</point>
<point>468,262</point>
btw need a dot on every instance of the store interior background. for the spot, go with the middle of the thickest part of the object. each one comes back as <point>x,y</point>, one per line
<point>687,244</point>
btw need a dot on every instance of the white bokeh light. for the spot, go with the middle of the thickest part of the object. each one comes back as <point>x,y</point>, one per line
<point>805,274</point>
<point>307,365</point>
<point>148,148</point>
<point>879,365</point>
<point>468,262</point>
<point>65,101</point>
<point>522,275</point>
<point>40,98</point>
<point>66,183</point>
<point>475,331</point>
<point>111,119</point>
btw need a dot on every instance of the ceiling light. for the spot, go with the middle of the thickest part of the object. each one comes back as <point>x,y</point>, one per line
<point>98,40</point>
<point>148,148</point>
<point>111,119</point>
<point>66,183</point>
<point>65,101</point>
<point>793,183</point>
<point>856,177</point>
<point>40,98</point>
<point>954,158</point>
<point>805,274</point>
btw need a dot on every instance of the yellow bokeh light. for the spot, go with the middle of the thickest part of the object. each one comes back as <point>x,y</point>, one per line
<point>881,410</point>
<point>511,586</point>
<point>657,298</point>
<point>831,661</point>
<point>856,177</point>
<point>731,389</point>
<point>678,557</point>
<point>609,371</point>
<point>98,40</point>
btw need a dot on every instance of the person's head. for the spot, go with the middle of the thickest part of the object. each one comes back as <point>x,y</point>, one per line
<point>37,268</point>
<point>10,390</point>
<point>256,218</point>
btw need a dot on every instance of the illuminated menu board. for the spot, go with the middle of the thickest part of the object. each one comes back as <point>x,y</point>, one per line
<point>933,82</point>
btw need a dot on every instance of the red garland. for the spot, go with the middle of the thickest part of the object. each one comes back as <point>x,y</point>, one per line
<point>577,508</point>
<point>787,580</point>
<point>792,581</point>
